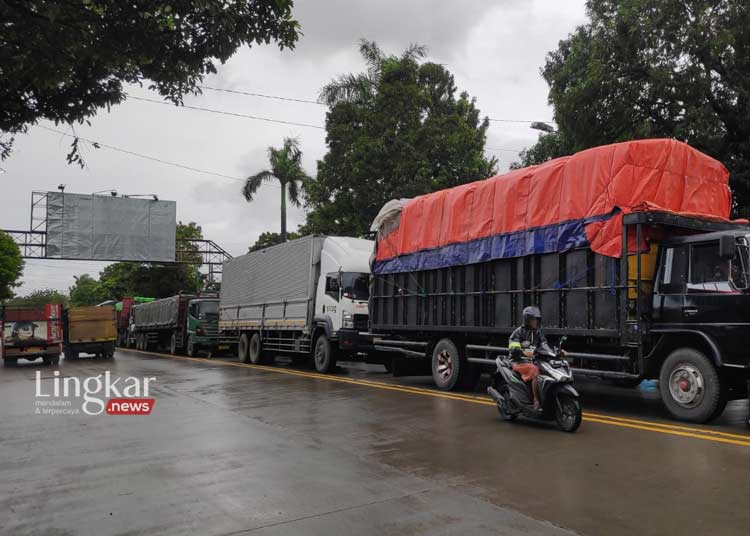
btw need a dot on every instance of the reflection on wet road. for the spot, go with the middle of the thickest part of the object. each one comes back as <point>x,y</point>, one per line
<point>232,448</point>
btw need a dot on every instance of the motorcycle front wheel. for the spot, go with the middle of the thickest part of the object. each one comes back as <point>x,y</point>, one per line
<point>568,413</point>
<point>503,409</point>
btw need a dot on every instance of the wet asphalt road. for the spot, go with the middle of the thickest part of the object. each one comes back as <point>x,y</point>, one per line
<point>236,449</point>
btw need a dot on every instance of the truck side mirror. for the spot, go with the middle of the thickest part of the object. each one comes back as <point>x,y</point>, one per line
<point>727,247</point>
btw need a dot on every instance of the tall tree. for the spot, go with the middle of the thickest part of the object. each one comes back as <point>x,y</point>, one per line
<point>655,68</point>
<point>11,266</point>
<point>286,168</point>
<point>86,291</point>
<point>63,61</point>
<point>398,129</point>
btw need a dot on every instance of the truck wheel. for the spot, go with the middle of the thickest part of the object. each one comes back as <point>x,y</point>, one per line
<point>173,344</point>
<point>323,356</point>
<point>9,362</point>
<point>242,348</point>
<point>448,366</point>
<point>255,350</point>
<point>192,349</point>
<point>690,386</point>
<point>71,356</point>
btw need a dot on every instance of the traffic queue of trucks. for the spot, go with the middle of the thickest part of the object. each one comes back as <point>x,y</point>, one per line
<point>627,250</point>
<point>183,323</point>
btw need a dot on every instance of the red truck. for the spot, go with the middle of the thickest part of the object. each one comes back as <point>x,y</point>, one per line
<point>31,333</point>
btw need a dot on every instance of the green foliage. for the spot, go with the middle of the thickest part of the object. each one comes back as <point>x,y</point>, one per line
<point>656,68</point>
<point>39,298</point>
<point>63,61</point>
<point>286,168</point>
<point>11,266</point>
<point>396,130</point>
<point>86,291</point>
<point>143,279</point>
<point>268,239</point>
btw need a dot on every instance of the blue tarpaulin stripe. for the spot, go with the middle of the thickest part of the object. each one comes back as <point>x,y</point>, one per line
<point>548,239</point>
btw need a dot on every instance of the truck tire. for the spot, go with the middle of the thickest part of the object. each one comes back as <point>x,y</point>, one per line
<point>255,350</point>
<point>449,366</point>
<point>10,362</point>
<point>690,386</point>
<point>242,348</point>
<point>323,355</point>
<point>192,348</point>
<point>71,355</point>
<point>173,344</point>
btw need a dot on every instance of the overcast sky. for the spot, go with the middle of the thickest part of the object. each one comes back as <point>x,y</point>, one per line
<point>494,48</point>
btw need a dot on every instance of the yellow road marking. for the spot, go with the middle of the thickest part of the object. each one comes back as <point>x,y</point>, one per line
<point>650,426</point>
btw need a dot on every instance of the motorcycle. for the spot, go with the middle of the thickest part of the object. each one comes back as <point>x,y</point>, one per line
<point>559,401</point>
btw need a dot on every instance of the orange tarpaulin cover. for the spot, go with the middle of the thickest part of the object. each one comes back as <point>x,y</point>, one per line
<point>569,202</point>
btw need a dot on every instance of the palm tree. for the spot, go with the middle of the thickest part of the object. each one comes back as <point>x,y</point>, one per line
<point>360,88</point>
<point>286,167</point>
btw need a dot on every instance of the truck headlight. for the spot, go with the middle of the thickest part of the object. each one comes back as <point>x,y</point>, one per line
<point>347,320</point>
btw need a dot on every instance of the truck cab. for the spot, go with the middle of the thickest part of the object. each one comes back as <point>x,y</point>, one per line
<point>202,326</point>
<point>343,290</point>
<point>700,319</point>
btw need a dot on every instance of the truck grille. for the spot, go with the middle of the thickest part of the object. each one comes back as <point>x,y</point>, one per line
<point>361,323</point>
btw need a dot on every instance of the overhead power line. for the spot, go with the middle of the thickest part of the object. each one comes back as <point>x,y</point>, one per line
<point>233,114</point>
<point>147,157</point>
<point>307,101</point>
<point>262,95</point>
<point>506,150</point>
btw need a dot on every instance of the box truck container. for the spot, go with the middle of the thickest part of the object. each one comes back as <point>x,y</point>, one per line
<point>185,322</point>
<point>306,297</point>
<point>89,330</point>
<point>626,249</point>
<point>32,333</point>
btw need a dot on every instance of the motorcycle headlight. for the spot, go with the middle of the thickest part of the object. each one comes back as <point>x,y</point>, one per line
<point>347,320</point>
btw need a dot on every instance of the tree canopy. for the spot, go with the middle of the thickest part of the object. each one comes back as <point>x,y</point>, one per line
<point>39,298</point>
<point>11,266</point>
<point>399,129</point>
<point>63,61</point>
<point>655,68</point>
<point>266,240</point>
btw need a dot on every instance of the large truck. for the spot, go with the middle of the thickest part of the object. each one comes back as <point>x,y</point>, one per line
<point>89,330</point>
<point>122,309</point>
<point>306,298</point>
<point>185,322</point>
<point>627,250</point>
<point>32,333</point>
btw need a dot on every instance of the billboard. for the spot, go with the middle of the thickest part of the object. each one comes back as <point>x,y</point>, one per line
<point>98,227</point>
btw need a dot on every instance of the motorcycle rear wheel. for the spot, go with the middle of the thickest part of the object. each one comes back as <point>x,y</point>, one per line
<point>568,413</point>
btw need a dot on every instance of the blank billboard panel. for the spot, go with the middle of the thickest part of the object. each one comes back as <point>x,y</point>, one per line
<point>98,227</point>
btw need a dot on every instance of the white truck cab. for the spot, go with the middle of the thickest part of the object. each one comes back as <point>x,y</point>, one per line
<point>343,288</point>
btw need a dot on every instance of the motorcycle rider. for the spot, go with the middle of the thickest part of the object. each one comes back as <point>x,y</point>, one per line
<point>521,345</point>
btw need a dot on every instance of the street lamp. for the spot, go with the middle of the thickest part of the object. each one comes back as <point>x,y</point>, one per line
<point>544,127</point>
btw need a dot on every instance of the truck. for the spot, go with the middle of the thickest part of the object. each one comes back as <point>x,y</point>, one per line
<point>32,333</point>
<point>123,308</point>
<point>627,249</point>
<point>184,322</point>
<point>307,298</point>
<point>89,330</point>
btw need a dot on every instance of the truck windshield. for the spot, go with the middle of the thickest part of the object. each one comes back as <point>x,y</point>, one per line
<point>355,285</point>
<point>208,310</point>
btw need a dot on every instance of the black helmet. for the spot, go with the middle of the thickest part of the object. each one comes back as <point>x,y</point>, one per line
<point>532,311</point>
